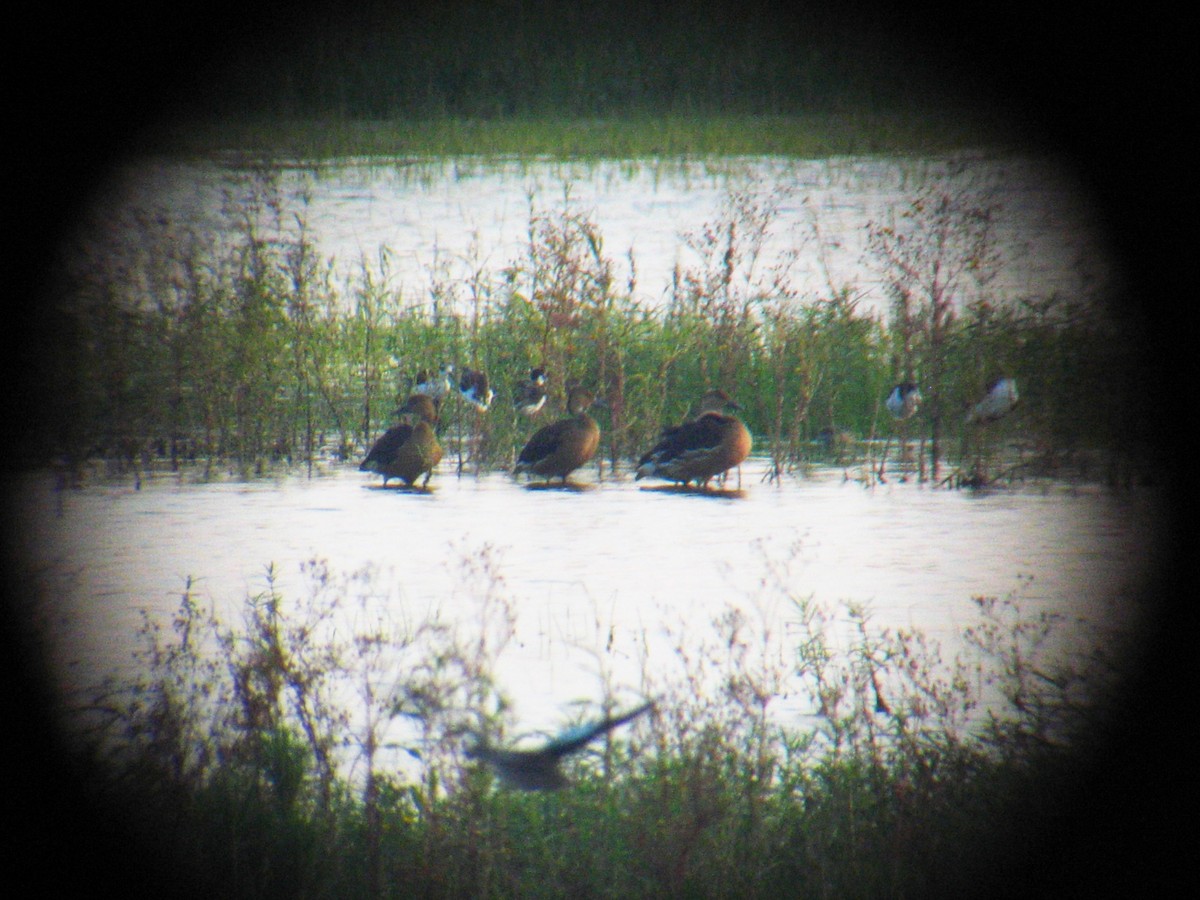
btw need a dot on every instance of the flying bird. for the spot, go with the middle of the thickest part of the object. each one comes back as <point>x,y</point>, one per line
<point>539,770</point>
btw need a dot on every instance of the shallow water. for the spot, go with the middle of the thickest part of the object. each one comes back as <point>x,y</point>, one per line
<point>606,582</point>
<point>453,218</point>
<point>609,582</point>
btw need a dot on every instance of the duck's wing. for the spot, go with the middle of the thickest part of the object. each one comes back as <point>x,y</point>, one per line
<point>385,448</point>
<point>544,442</point>
<point>574,738</point>
<point>680,441</point>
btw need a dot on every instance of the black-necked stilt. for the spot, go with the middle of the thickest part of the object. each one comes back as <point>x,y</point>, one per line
<point>904,401</point>
<point>473,386</point>
<point>999,401</point>
<point>531,395</point>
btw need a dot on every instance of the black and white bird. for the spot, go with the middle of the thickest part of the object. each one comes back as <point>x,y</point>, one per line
<point>436,386</point>
<point>904,401</point>
<point>540,769</point>
<point>473,386</point>
<point>531,395</point>
<point>998,402</point>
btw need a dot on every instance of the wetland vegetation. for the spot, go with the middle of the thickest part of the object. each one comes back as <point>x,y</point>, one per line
<point>286,755</point>
<point>278,755</point>
<point>243,347</point>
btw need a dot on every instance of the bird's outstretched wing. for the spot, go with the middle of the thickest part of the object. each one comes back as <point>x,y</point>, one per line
<point>574,738</point>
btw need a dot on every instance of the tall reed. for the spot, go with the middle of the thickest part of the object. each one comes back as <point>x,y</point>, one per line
<point>247,351</point>
<point>316,748</point>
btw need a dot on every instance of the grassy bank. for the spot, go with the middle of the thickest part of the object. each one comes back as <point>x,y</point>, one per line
<point>808,136</point>
<point>284,754</point>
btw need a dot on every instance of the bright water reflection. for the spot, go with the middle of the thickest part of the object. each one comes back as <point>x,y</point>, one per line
<point>608,578</point>
<point>456,217</point>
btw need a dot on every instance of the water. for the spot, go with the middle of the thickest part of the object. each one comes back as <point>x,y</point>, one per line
<point>606,582</point>
<point>454,218</point>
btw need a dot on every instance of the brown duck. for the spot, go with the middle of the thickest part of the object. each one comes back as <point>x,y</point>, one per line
<point>558,449</point>
<point>410,449</point>
<point>702,448</point>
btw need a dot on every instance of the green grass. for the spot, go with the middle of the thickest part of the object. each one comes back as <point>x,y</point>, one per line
<point>801,136</point>
<point>252,757</point>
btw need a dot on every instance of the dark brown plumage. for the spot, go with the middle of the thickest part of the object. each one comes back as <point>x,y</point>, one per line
<point>410,449</point>
<point>702,448</point>
<point>558,449</point>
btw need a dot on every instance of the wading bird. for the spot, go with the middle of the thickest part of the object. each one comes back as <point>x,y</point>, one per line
<point>473,386</point>
<point>410,449</point>
<point>436,386</point>
<point>999,401</point>
<point>560,448</point>
<point>539,770</point>
<point>903,401</point>
<point>708,445</point>
<point>531,395</point>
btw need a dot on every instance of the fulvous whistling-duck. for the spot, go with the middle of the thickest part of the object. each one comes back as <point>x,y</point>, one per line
<point>410,449</point>
<point>558,449</point>
<point>702,448</point>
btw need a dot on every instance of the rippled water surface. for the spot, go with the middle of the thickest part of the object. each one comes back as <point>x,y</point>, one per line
<point>615,577</point>
<point>457,217</point>
<point>611,577</point>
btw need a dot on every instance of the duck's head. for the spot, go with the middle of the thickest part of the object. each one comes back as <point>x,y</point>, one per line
<point>580,399</point>
<point>717,400</point>
<point>419,407</point>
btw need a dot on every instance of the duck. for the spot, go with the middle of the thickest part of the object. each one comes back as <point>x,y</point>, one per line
<point>473,387</point>
<point>531,395</point>
<point>1001,398</point>
<point>410,449</point>
<point>558,449</point>
<point>436,386</point>
<point>698,450</point>
<point>903,401</point>
<point>540,769</point>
